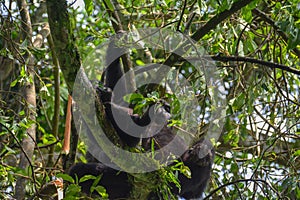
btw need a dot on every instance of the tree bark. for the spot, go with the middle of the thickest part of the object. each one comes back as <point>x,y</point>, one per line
<point>28,142</point>
<point>68,57</point>
<point>55,120</point>
<point>63,40</point>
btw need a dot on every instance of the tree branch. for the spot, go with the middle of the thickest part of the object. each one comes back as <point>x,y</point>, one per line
<point>55,119</point>
<point>211,24</point>
<point>240,181</point>
<point>255,61</point>
<point>267,19</point>
<point>63,39</point>
<point>67,54</point>
<point>228,59</point>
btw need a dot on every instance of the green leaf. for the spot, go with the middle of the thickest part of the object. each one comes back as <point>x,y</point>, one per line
<point>23,71</point>
<point>47,138</point>
<point>247,14</point>
<point>234,168</point>
<point>13,84</point>
<point>89,6</point>
<point>297,153</point>
<point>96,181</point>
<point>238,102</point>
<point>133,98</point>
<point>86,178</point>
<point>278,74</point>
<point>39,53</point>
<point>109,5</point>
<point>140,105</point>
<point>22,113</point>
<point>294,39</point>
<point>66,177</point>
<point>174,122</point>
<point>140,63</point>
<point>9,149</point>
<point>186,171</point>
<point>72,191</point>
<point>102,191</point>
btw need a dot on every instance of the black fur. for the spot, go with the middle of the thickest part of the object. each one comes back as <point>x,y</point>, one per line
<point>113,71</point>
<point>113,74</point>
<point>116,183</point>
<point>118,186</point>
<point>194,187</point>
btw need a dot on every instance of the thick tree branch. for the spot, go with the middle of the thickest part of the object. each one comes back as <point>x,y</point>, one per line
<point>28,142</point>
<point>255,61</point>
<point>67,55</point>
<point>211,24</point>
<point>63,39</point>
<point>25,20</point>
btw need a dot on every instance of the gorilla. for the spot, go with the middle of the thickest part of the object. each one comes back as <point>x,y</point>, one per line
<point>117,183</point>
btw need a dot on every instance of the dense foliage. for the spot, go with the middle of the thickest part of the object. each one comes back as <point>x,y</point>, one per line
<point>256,46</point>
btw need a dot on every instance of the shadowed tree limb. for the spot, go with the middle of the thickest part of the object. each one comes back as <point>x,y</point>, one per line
<point>271,65</point>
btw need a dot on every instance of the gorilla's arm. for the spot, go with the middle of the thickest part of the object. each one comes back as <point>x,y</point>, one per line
<point>113,71</point>
<point>113,74</point>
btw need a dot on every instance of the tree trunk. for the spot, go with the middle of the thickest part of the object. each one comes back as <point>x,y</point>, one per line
<point>67,55</point>
<point>29,140</point>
